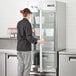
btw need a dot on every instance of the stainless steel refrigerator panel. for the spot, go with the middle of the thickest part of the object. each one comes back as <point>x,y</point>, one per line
<point>2,64</point>
<point>60,32</point>
<point>67,65</point>
<point>48,61</point>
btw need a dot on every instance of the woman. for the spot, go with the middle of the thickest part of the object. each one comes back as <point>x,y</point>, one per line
<point>25,38</point>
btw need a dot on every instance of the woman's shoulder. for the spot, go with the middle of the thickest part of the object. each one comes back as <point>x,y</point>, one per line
<point>24,22</point>
<point>20,21</point>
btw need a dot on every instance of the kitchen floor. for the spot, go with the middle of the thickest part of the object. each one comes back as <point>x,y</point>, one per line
<point>35,72</point>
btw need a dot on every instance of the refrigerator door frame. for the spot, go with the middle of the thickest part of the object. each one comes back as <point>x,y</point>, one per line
<point>40,38</point>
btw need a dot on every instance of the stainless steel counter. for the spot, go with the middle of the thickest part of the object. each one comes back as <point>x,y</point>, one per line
<point>68,52</point>
<point>8,51</point>
<point>7,38</point>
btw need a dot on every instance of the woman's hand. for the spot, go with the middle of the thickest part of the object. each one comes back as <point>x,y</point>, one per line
<point>41,41</point>
<point>33,30</point>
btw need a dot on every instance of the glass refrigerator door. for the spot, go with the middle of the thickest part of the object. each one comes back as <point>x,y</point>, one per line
<point>47,53</point>
<point>35,21</point>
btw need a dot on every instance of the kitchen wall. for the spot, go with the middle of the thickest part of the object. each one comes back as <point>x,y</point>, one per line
<point>9,14</point>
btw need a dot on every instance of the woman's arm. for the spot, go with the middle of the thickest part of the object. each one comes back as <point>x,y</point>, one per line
<point>28,31</point>
<point>30,38</point>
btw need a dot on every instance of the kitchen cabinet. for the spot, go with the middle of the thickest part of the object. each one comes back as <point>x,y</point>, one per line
<point>8,20</point>
<point>67,63</point>
<point>8,62</point>
<point>11,63</point>
<point>2,64</point>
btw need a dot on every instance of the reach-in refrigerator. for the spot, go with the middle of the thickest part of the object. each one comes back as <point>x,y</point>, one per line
<point>49,23</point>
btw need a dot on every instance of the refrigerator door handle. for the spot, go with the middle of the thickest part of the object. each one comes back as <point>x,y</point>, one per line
<point>72,58</point>
<point>11,56</point>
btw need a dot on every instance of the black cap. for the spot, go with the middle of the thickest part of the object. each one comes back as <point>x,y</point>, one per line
<point>27,10</point>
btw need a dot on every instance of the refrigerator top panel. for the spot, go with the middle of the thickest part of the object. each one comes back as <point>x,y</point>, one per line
<point>48,5</point>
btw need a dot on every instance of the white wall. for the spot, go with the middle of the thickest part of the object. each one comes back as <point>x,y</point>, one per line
<point>9,14</point>
<point>71,24</point>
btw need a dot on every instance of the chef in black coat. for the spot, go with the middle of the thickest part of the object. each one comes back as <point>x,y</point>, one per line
<point>24,40</point>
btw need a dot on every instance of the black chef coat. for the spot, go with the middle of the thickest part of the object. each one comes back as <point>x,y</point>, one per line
<point>24,35</point>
